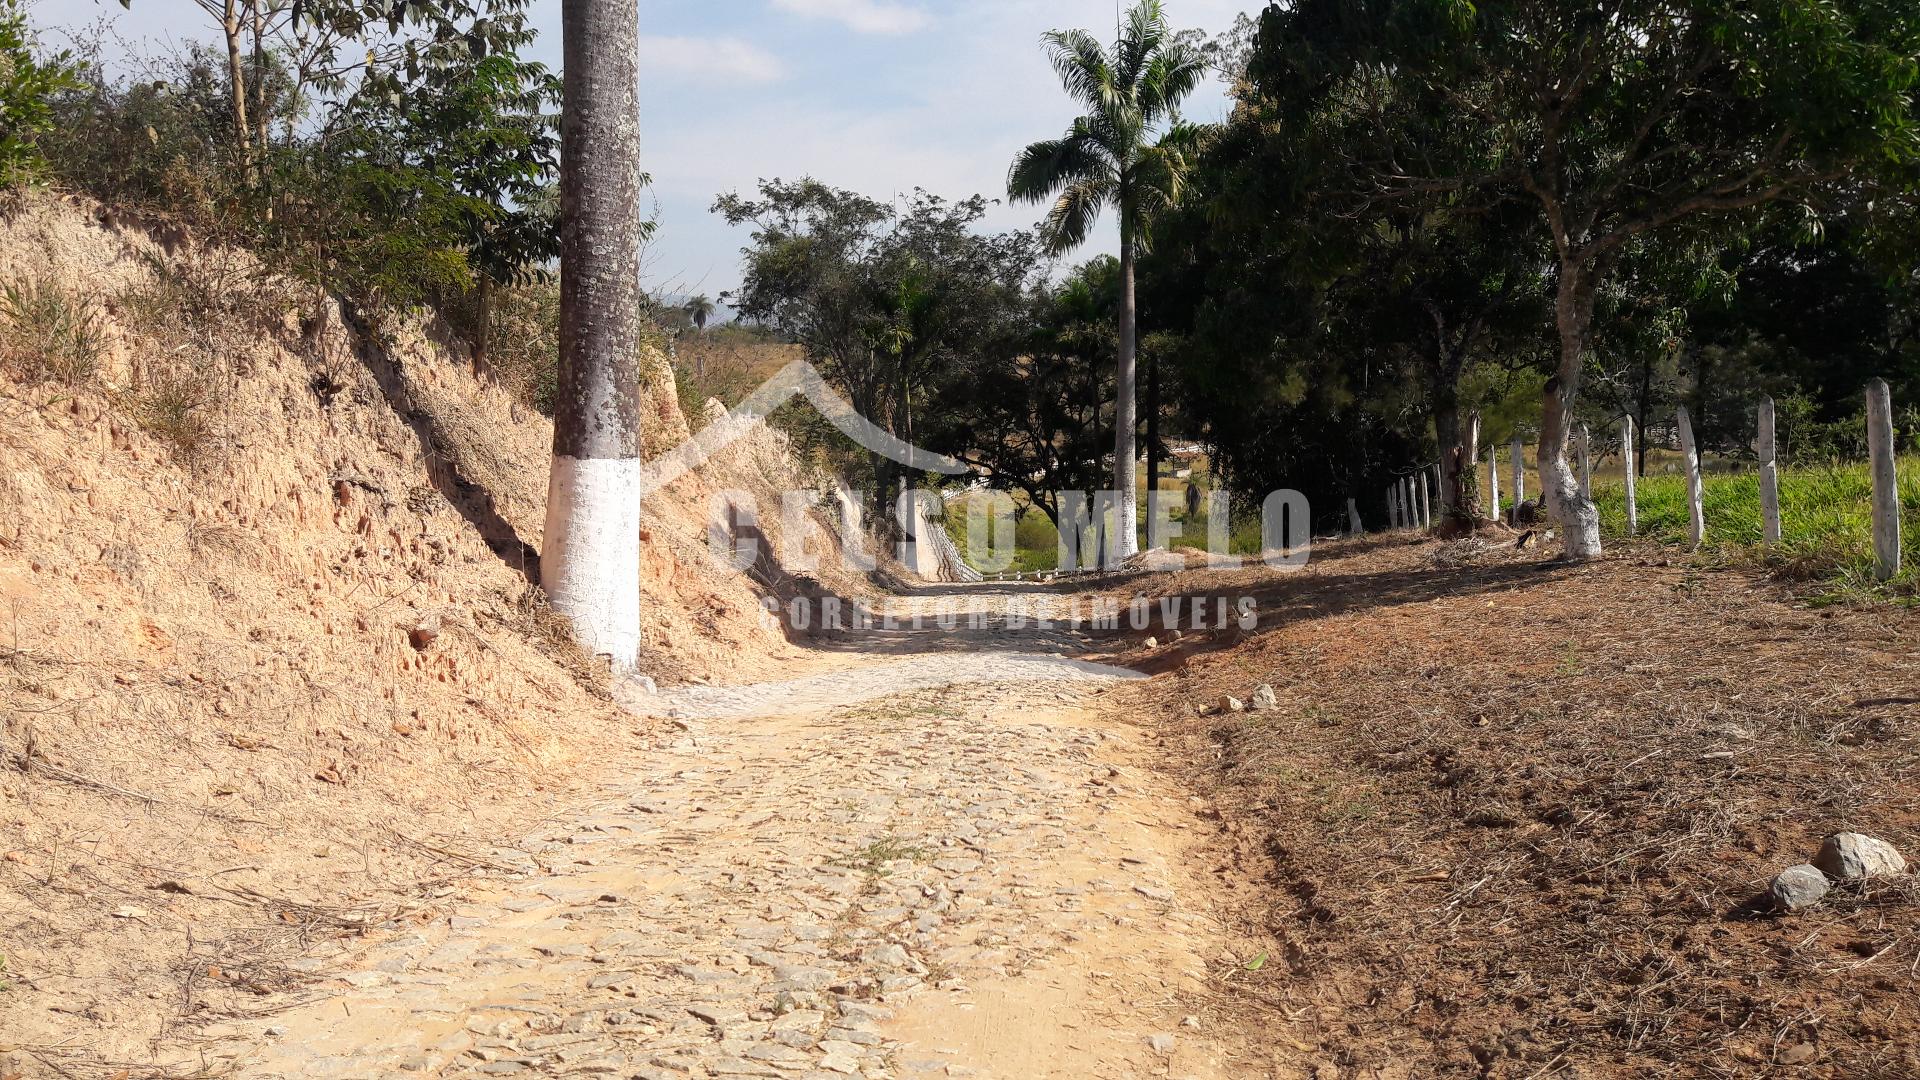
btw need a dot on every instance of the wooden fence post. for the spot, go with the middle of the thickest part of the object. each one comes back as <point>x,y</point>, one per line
<point>1355,527</point>
<point>1583,447</point>
<point>1517,457</point>
<point>1426,507</point>
<point>1493,480</point>
<point>1767,447</point>
<point>1886,481</point>
<point>1407,500</point>
<point>1627,455</point>
<point>1696,497</point>
<point>1393,511</point>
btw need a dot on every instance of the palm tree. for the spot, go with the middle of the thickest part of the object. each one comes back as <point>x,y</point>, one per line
<point>590,561</point>
<point>1116,155</point>
<point>700,309</point>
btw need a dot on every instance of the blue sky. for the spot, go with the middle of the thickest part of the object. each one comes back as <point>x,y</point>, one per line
<point>880,96</point>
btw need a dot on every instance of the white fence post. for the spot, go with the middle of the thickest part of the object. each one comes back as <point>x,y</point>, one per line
<point>1355,527</point>
<point>1696,497</point>
<point>1517,457</point>
<point>1493,480</point>
<point>1886,481</point>
<point>1426,506</point>
<point>1767,447</point>
<point>1628,455</point>
<point>1583,446</point>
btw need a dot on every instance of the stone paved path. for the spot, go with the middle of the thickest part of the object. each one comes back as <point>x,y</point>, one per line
<point>966,876</point>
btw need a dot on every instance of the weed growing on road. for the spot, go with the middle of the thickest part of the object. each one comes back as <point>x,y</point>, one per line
<point>872,860</point>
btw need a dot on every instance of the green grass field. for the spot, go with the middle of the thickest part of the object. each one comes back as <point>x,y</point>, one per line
<point>1826,517</point>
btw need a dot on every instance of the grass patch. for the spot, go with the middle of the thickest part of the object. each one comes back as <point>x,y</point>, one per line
<point>1826,514</point>
<point>1037,540</point>
<point>48,334</point>
<point>872,860</point>
<point>178,409</point>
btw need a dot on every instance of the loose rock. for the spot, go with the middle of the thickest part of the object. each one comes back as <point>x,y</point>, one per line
<point>1852,856</point>
<point>1797,888</point>
<point>1264,698</point>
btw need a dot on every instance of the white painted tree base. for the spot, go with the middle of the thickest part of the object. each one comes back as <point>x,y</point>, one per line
<point>590,563</point>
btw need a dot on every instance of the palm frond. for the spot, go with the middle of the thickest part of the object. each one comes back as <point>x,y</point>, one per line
<point>1082,64</point>
<point>1043,169</point>
<point>1158,178</point>
<point>1171,74</point>
<point>1074,213</point>
<point>1145,32</point>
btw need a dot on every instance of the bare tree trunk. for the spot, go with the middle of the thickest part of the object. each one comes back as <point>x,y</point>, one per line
<point>1579,520</point>
<point>1125,420</point>
<point>258,12</point>
<point>1447,433</point>
<point>1466,476</point>
<point>483,323</point>
<point>231,26</point>
<point>590,566</point>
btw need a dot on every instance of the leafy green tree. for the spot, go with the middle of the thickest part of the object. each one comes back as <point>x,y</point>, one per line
<point>1027,410</point>
<point>1616,121</point>
<point>1130,152</point>
<point>891,304</point>
<point>28,86</point>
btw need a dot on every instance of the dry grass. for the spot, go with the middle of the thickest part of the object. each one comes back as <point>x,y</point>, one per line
<point>48,333</point>
<point>1514,816</point>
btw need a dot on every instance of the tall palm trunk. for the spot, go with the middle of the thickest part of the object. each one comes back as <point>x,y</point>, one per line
<point>590,566</point>
<point>1125,418</point>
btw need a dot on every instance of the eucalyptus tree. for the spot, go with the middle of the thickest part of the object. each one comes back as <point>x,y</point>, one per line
<point>1129,153</point>
<point>590,560</point>
<point>1617,120</point>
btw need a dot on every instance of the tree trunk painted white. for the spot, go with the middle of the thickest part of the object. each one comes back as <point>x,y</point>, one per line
<point>1627,455</point>
<point>1578,519</point>
<point>1517,457</point>
<point>590,562</point>
<point>1583,448</point>
<point>1766,446</point>
<point>1355,527</point>
<point>1886,481</point>
<point>1493,481</point>
<point>1696,496</point>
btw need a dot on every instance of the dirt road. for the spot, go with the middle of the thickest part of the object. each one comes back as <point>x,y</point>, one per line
<point>941,864</point>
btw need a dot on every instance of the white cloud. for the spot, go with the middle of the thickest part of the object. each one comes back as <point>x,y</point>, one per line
<point>717,59</point>
<point>864,16</point>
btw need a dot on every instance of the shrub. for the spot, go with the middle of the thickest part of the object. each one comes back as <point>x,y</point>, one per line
<point>48,334</point>
<point>28,85</point>
<point>178,408</point>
